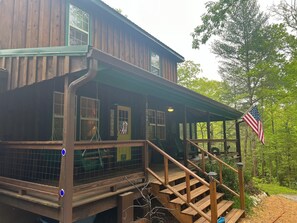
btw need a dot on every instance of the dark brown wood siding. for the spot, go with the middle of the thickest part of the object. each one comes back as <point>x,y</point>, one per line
<point>32,23</point>
<point>42,23</point>
<point>117,39</point>
<point>28,70</point>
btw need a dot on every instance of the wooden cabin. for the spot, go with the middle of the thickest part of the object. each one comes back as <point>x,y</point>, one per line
<point>90,105</point>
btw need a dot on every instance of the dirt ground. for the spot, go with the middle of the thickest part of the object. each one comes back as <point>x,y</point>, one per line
<point>274,209</point>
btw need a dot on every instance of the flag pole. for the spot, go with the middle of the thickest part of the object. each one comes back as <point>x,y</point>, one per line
<point>250,108</point>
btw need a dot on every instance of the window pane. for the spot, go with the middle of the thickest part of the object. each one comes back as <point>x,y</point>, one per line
<point>155,63</point>
<point>89,115</point>
<point>88,129</point>
<point>79,26</point>
<point>58,126</point>
<point>161,132</point>
<point>160,118</point>
<point>78,18</point>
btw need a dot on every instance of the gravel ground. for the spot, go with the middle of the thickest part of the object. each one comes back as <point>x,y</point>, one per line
<point>274,209</point>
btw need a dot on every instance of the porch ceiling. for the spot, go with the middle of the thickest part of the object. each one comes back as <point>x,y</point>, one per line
<point>120,74</point>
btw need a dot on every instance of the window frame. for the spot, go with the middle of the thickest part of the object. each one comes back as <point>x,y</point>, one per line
<point>61,116</point>
<point>152,67</point>
<point>155,125</point>
<point>76,27</point>
<point>81,119</point>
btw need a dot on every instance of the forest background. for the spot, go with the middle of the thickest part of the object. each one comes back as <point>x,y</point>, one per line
<point>258,66</point>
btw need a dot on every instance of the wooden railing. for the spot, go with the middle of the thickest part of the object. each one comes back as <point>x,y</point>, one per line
<point>30,155</point>
<point>188,173</point>
<point>204,154</point>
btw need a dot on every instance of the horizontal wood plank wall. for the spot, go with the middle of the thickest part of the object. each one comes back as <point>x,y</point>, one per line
<point>24,71</point>
<point>124,43</point>
<point>32,23</point>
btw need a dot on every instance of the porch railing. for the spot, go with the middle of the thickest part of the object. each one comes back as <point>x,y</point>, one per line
<point>34,167</point>
<point>205,154</point>
<point>188,174</point>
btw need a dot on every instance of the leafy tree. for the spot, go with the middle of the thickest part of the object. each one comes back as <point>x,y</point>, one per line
<point>287,13</point>
<point>188,76</point>
<point>213,21</point>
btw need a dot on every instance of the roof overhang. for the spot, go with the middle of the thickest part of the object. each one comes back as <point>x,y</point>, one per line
<point>126,76</point>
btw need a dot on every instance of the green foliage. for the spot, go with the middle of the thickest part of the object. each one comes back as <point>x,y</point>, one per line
<point>272,188</point>
<point>248,202</point>
<point>212,21</point>
<point>188,76</point>
<point>230,178</point>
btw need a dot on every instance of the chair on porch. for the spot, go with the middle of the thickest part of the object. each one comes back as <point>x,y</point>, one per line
<point>180,149</point>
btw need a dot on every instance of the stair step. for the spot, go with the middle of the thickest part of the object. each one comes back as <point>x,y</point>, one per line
<point>222,207</point>
<point>194,193</point>
<point>179,187</point>
<point>201,204</point>
<point>172,178</point>
<point>234,215</point>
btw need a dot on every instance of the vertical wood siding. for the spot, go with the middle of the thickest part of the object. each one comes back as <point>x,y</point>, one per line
<point>24,71</point>
<point>32,23</point>
<point>42,23</point>
<point>124,43</point>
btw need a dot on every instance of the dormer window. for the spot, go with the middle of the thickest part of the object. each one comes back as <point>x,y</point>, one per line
<point>155,64</point>
<point>78,26</point>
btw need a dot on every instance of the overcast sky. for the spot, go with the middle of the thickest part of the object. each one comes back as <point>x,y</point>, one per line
<point>172,21</point>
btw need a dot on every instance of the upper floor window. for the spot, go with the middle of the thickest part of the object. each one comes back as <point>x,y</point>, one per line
<point>78,26</point>
<point>155,64</point>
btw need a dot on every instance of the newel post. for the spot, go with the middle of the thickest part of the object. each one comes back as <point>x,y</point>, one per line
<point>213,197</point>
<point>241,185</point>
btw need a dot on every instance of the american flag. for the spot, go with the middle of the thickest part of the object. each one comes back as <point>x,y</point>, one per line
<point>253,119</point>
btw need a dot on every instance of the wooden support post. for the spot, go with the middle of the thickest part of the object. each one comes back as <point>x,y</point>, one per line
<point>166,180</point>
<point>203,160</point>
<point>225,137</point>
<point>221,173</point>
<point>67,161</point>
<point>241,186</point>
<point>145,160</point>
<point>213,197</point>
<point>238,147</point>
<point>125,208</point>
<point>188,189</point>
<point>185,137</point>
<point>208,133</point>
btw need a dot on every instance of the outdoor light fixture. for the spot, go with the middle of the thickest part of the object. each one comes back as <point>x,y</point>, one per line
<point>170,109</point>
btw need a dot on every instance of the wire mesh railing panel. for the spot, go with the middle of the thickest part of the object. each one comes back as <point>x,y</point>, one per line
<point>96,164</point>
<point>33,165</point>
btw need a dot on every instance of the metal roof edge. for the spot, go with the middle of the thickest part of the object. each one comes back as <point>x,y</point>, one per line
<point>127,21</point>
<point>47,51</point>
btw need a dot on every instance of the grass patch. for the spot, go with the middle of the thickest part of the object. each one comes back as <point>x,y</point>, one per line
<point>273,188</point>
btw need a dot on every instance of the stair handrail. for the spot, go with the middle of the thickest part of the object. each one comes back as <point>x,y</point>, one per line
<point>212,156</point>
<point>220,181</point>
<point>188,174</point>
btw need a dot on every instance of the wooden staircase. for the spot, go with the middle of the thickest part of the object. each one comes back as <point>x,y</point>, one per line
<point>188,197</point>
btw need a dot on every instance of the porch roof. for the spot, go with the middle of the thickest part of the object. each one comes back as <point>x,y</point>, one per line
<point>117,73</point>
